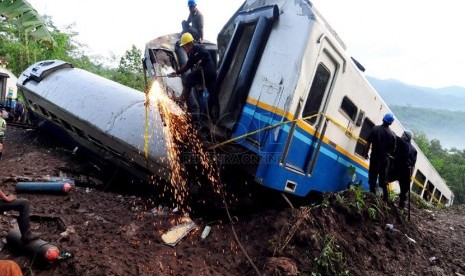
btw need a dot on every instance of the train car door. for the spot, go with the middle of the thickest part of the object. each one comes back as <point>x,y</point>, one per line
<point>301,150</point>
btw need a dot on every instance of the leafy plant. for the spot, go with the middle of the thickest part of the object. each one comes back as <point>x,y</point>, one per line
<point>341,199</point>
<point>359,202</point>
<point>330,261</point>
<point>372,212</point>
<point>27,19</point>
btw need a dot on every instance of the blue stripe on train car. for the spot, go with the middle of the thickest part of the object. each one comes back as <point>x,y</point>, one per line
<point>330,173</point>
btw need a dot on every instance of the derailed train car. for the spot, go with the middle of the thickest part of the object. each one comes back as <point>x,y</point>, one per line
<point>293,105</point>
<point>100,117</point>
<point>292,97</point>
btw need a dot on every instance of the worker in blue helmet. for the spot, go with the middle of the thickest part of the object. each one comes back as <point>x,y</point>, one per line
<point>382,142</point>
<point>194,23</point>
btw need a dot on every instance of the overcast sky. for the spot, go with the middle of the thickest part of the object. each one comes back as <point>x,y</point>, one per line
<point>418,42</point>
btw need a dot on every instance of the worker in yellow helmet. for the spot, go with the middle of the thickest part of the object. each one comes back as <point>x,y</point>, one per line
<point>203,73</point>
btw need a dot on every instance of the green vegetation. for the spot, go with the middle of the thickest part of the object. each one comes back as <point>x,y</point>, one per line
<point>27,21</point>
<point>450,164</point>
<point>130,71</point>
<point>20,47</point>
<point>359,203</point>
<point>330,261</point>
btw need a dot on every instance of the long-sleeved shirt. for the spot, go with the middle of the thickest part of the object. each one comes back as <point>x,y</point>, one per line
<point>199,53</point>
<point>382,141</point>
<point>196,19</point>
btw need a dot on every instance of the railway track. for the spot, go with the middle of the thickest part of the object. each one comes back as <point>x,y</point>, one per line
<point>20,125</point>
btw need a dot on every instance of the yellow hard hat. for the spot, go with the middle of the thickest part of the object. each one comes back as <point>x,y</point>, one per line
<point>186,38</point>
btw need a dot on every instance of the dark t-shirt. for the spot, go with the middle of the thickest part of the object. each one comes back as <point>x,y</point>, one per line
<point>412,156</point>
<point>197,22</point>
<point>401,154</point>
<point>200,53</point>
<point>405,157</point>
<point>19,108</point>
<point>383,141</point>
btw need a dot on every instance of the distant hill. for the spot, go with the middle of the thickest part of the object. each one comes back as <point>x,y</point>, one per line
<point>444,125</point>
<point>397,93</point>
<point>439,113</point>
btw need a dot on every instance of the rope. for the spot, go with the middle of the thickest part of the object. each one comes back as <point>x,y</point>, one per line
<point>290,121</point>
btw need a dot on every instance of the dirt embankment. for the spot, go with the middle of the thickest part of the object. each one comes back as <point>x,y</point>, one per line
<point>120,234</point>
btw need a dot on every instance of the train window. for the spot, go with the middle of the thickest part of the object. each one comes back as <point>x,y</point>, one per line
<point>54,117</point>
<point>43,110</point>
<point>437,194</point>
<point>420,179</point>
<point>317,91</point>
<point>80,132</point>
<point>349,108</point>
<point>96,142</point>
<point>428,191</point>
<point>443,200</point>
<point>162,58</point>
<point>66,125</point>
<point>364,132</point>
<point>416,188</point>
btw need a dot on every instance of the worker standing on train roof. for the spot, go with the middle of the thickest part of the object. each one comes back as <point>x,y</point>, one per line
<point>383,142</point>
<point>203,73</point>
<point>194,23</point>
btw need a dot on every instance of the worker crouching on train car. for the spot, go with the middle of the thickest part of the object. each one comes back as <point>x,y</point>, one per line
<point>203,73</point>
<point>383,142</point>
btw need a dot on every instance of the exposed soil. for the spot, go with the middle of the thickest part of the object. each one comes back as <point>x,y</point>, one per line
<point>112,233</point>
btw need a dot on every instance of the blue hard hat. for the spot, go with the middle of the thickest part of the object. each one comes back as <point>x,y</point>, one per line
<point>388,118</point>
<point>191,3</point>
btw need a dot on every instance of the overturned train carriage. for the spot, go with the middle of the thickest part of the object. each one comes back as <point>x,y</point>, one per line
<point>292,97</point>
<point>99,116</point>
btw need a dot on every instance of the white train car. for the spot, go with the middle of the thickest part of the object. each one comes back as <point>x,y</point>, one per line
<point>291,96</point>
<point>98,117</point>
<point>8,89</point>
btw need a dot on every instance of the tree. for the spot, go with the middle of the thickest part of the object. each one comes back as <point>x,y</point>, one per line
<point>449,164</point>
<point>130,71</point>
<point>27,20</point>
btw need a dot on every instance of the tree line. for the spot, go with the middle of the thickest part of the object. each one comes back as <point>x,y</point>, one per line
<point>19,50</point>
<point>450,164</point>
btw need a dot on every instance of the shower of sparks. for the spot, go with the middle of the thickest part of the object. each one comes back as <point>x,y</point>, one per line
<point>180,138</point>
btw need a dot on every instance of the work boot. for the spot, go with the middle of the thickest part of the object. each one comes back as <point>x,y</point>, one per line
<point>401,204</point>
<point>29,236</point>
